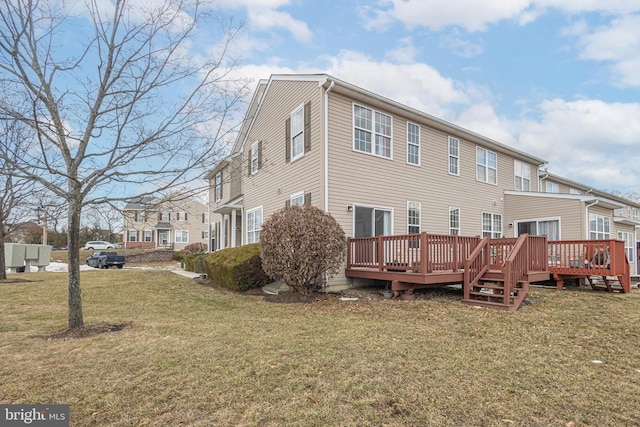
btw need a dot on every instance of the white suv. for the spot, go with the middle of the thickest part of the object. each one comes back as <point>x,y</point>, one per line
<point>99,245</point>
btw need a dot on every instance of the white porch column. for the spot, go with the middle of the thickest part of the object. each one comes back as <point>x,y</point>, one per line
<point>223,232</point>
<point>233,228</point>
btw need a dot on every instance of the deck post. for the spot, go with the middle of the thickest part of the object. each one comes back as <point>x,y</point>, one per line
<point>455,253</point>
<point>423,253</point>
<point>380,253</point>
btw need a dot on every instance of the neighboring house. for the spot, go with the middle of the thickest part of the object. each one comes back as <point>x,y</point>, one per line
<point>26,232</point>
<point>380,167</point>
<point>164,223</point>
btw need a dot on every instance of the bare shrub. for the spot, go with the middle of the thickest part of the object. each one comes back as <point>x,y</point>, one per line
<point>300,244</point>
<point>195,248</point>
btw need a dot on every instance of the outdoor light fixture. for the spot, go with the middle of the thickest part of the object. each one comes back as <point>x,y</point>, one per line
<point>349,208</point>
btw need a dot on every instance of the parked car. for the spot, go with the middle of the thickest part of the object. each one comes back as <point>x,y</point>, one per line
<point>95,245</point>
<point>105,259</point>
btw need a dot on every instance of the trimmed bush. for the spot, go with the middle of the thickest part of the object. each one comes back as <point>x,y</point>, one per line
<point>301,244</point>
<point>237,269</point>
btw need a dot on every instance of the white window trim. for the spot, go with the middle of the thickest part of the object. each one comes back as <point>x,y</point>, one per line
<point>605,235</point>
<point>629,250</point>
<point>554,185</point>
<point>217,187</point>
<point>537,220</point>
<point>144,235</point>
<point>493,214</point>
<point>419,225</point>
<point>453,208</point>
<point>251,211</point>
<point>299,194</point>
<point>381,208</point>
<point>253,155</point>
<point>372,131</point>
<point>486,181</point>
<point>181,234</point>
<point>409,143</point>
<point>180,215</point>
<point>129,235</point>
<point>518,172</point>
<point>301,133</point>
<point>449,156</point>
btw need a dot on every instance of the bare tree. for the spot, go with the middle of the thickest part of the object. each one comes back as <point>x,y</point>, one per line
<point>117,97</point>
<point>16,193</point>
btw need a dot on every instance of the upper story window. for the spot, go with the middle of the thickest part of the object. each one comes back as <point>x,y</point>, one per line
<point>297,199</point>
<point>553,187</point>
<point>522,176</point>
<point>454,156</point>
<point>634,214</point>
<point>182,216</point>
<point>454,221</point>
<point>140,216</point>
<point>599,227</point>
<point>486,166</point>
<point>574,191</point>
<point>413,217</point>
<point>255,157</point>
<point>205,218</point>
<point>165,216</point>
<point>297,133</point>
<point>413,144</point>
<point>218,186</point>
<point>372,131</point>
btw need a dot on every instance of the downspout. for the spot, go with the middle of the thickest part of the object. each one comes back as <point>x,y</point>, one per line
<point>587,217</point>
<point>326,146</point>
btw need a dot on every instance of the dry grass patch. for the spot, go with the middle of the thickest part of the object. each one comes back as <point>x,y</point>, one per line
<point>199,356</point>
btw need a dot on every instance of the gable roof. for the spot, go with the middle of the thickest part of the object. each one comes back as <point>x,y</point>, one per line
<point>356,92</point>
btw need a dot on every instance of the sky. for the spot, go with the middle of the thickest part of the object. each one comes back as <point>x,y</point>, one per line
<point>558,79</point>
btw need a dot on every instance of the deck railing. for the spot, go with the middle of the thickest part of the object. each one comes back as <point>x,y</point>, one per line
<point>476,265</point>
<point>516,266</point>
<point>419,253</point>
<point>590,258</point>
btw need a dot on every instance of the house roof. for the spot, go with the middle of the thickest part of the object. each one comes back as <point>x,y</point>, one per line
<point>353,91</point>
<point>139,204</point>
<point>588,198</point>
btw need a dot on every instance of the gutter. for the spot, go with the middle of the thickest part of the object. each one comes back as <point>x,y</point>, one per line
<point>326,145</point>
<point>587,217</point>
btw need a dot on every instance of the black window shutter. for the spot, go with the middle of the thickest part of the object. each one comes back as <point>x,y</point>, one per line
<point>259,154</point>
<point>249,161</point>
<point>287,138</point>
<point>307,199</point>
<point>186,216</point>
<point>307,126</point>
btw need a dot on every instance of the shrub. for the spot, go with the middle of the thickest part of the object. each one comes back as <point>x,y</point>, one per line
<point>194,262</point>
<point>195,248</point>
<point>300,244</point>
<point>237,269</point>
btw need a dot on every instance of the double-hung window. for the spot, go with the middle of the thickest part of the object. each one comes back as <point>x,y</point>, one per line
<point>147,235</point>
<point>491,225</point>
<point>599,227</point>
<point>297,199</point>
<point>254,157</point>
<point>454,221</point>
<point>413,144</point>
<point>628,244</point>
<point>165,216</point>
<point>522,176</point>
<point>413,217</point>
<point>182,216</point>
<point>218,187</point>
<point>297,133</point>
<point>133,236</point>
<point>552,187</point>
<point>454,156</point>
<point>372,131</point>
<point>254,225</point>
<point>486,166</point>
<point>182,236</point>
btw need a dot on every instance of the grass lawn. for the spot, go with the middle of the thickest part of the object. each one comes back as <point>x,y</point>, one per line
<point>197,356</point>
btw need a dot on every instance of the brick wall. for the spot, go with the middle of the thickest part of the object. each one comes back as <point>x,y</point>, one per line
<point>156,256</point>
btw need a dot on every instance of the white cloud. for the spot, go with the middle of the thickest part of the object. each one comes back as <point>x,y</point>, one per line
<point>455,43</point>
<point>405,52</point>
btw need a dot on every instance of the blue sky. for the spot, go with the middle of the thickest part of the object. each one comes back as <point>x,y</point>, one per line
<point>559,79</point>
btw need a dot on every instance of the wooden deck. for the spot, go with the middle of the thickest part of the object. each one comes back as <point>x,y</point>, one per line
<point>494,272</point>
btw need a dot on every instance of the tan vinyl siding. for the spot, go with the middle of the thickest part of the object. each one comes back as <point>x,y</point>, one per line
<point>360,178</point>
<point>571,213</point>
<point>277,180</point>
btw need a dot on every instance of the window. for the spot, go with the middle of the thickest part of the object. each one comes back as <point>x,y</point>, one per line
<point>205,235</point>
<point>297,199</point>
<point>547,227</point>
<point>218,186</point>
<point>491,225</point>
<point>205,218</point>
<point>486,166</point>
<point>454,156</point>
<point>372,131</point>
<point>297,133</point>
<point>133,236</point>
<point>522,175</point>
<point>147,235</point>
<point>413,217</point>
<point>454,221</point>
<point>182,216</point>
<point>254,225</point>
<point>574,191</point>
<point>140,217</point>
<point>599,227</point>
<point>633,214</point>
<point>553,187</point>
<point>255,157</point>
<point>182,236</point>
<point>628,244</point>
<point>413,144</point>
<point>165,216</point>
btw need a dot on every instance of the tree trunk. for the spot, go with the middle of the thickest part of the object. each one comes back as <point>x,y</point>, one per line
<point>73,247</point>
<point>3,265</point>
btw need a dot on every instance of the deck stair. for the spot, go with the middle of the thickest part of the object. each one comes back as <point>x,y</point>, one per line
<point>489,292</point>
<point>606,283</point>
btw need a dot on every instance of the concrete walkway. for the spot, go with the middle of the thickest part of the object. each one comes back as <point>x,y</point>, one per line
<point>189,274</point>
